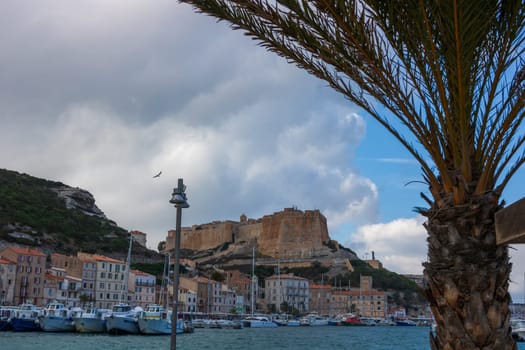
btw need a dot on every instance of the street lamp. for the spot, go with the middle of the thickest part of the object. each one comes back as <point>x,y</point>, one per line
<point>179,200</point>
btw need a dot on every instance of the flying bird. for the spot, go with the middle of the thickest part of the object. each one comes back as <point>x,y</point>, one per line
<point>160,172</point>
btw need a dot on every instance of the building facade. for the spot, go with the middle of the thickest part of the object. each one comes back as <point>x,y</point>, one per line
<point>287,291</point>
<point>110,280</point>
<point>142,288</point>
<point>7,281</point>
<point>30,271</point>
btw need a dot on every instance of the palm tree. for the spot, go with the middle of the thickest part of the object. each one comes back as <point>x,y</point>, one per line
<point>451,76</point>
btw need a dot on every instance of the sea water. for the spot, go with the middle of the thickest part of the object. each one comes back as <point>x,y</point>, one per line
<point>290,338</point>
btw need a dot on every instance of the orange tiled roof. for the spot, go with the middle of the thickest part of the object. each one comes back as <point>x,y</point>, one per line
<point>6,261</point>
<point>107,259</point>
<point>53,277</point>
<point>286,276</point>
<point>27,251</point>
<point>138,272</point>
<point>320,286</point>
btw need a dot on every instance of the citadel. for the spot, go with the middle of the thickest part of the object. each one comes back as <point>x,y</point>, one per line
<point>290,233</point>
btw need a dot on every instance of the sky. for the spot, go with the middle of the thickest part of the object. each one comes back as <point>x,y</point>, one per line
<point>103,95</point>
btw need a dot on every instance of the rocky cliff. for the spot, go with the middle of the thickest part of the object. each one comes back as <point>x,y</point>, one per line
<point>54,217</point>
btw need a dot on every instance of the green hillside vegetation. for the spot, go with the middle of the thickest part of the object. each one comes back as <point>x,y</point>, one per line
<point>28,205</point>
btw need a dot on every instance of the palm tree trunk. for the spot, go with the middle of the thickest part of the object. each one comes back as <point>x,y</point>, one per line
<point>467,277</point>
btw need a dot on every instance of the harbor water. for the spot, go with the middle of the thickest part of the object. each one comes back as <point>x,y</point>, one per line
<point>290,338</point>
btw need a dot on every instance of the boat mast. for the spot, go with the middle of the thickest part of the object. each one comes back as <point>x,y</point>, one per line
<point>253,278</point>
<point>126,276</point>
<point>163,297</point>
<point>278,284</point>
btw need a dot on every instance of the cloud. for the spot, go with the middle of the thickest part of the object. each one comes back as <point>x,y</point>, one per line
<point>399,244</point>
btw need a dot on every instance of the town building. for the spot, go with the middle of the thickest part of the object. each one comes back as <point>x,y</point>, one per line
<point>364,301</point>
<point>139,237</point>
<point>142,288</point>
<point>66,289</point>
<point>30,271</point>
<point>110,286</point>
<point>189,295</point>
<point>241,284</point>
<point>7,281</point>
<point>89,274</point>
<point>320,297</point>
<point>287,291</point>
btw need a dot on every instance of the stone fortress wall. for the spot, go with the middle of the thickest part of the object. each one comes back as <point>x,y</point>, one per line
<point>287,233</point>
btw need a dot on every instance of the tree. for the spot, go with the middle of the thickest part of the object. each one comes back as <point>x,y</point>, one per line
<point>451,77</point>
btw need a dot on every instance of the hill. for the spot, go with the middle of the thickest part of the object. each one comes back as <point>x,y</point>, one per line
<point>58,218</point>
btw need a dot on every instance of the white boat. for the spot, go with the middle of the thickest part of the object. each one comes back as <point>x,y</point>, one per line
<point>157,320</point>
<point>293,323</point>
<point>91,320</point>
<point>123,319</point>
<point>518,329</point>
<point>258,322</point>
<point>313,319</point>
<point>56,318</point>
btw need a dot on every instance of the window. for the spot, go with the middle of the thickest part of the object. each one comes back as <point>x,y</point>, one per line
<point>102,275</point>
<point>110,267</point>
<point>110,275</point>
<point>101,285</point>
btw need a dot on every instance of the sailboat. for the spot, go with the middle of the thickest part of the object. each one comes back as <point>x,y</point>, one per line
<point>123,318</point>
<point>254,321</point>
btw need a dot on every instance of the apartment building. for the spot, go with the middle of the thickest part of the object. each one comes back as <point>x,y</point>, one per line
<point>7,281</point>
<point>110,283</point>
<point>288,291</point>
<point>141,288</point>
<point>30,271</point>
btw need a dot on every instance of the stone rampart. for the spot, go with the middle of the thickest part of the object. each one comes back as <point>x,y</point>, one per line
<point>285,233</point>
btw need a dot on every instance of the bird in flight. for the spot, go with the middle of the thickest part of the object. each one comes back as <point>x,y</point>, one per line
<point>160,172</point>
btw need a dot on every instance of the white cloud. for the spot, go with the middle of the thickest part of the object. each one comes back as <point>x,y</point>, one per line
<point>399,244</point>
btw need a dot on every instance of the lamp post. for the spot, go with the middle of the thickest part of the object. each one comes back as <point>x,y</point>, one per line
<point>179,200</point>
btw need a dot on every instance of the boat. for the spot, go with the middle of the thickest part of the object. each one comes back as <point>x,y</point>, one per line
<point>5,315</point>
<point>352,321</point>
<point>56,318</point>
<point>228,324</point>
<point>155,319</point>
<point>405,323</point>
<point>25,318</point>
<point>92,320</point>
<point>293,323</point>
<point>123,319</point>
<point>258,322</point>
<point>313,319</point>
<point>518,329</point>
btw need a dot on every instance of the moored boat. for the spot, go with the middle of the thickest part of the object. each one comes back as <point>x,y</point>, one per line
<point>155,320</point>
<point>258,322</point>
<point>56,318</point>
<point>352,320</point>
<point>313,319</point>
<point>91,320</point>
<point>405,323</point>
<point>25,318</point>
<point>123,320</point>
<point>6,312</point>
